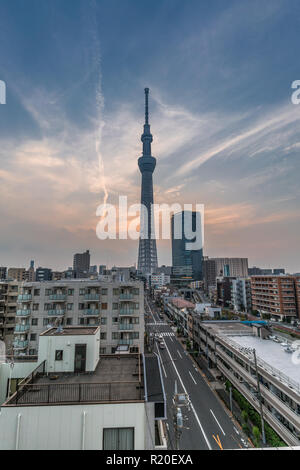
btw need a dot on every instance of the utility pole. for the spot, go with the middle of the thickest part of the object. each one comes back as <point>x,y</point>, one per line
<point>180,400</point>
<point>260,399</point>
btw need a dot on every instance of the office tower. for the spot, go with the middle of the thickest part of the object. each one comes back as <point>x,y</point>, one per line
<point>43,274</point>
<point>81,264</point>
<point>102,269</point>
<point>147,259</point>
<point>186,263</point>
<point>278,271</point>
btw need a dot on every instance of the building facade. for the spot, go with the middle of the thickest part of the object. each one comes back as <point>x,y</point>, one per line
<point>81,264</point>
<point>277,296</point>
<point>8,307</point>
<point>118,307</point>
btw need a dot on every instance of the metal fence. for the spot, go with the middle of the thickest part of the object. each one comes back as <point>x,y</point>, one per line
<point>62,393</point>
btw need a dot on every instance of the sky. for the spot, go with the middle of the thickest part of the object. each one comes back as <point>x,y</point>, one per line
<point>225,131</point>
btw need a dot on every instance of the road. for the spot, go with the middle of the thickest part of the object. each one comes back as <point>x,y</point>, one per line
<point>207,425</point>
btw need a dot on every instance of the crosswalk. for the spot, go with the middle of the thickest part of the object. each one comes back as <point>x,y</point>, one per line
<point>167,334</point>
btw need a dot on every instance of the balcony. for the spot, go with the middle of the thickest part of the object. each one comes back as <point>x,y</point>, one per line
<point>55,313</point>
<point>25,298</point>
<point>95,297</point>
<point>125,341</point>
<point>58,297</point>
<point>126,296</point>
<point>23,313</point>
<point>20,344</point>
<point>126,326</point>
<point>127,311</point>
<point>91,312</point>
<point>22,329</point>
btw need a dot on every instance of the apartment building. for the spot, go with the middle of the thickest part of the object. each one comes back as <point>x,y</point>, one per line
<point>241,294</point>
<point>228,347</point>
<point>72,399</point>
<point>179,309</point>
<point>277,296</point>
<point>117,306</point>
<point>8,306</point>
<point>16,274</point>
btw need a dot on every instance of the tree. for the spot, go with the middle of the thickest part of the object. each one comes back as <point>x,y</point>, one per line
<point>256,435</point>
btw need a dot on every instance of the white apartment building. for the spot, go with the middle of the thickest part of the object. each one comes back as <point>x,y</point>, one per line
<point>117,306</point>
<point>160,279</point>
<point>74,399</point>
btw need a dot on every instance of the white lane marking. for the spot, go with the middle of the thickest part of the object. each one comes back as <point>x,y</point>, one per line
<point>161,361</point>
<point>193,378</point>
<point>179,354</point>
<point>192,406</point>
<point>218,422</point>
<point>150,311</point>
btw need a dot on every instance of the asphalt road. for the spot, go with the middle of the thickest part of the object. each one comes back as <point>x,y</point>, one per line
<point>207,426</point>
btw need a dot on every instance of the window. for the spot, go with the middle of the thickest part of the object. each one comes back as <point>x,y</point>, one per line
<point>34,321</point>
<point>45,322</point>
<point>59,355</point>
<point>69,306</point>
<point>115,319</point>
<point>33,337</point>
<point>104,291</point>
<point>69,321</point>
<point>70,291</point>
<point>35,307</point>
<point>102,350</point>
<point>81,291</point>
<point>115,335</point>
<point>81,306</point>
<point>103,336</point>
<point>115,306</point>
<point>104,306</point>
<point>104,321</point>
<point>81,321</point>
<point>118,439</point>
<point>36,292</point>
<point>116,292</point>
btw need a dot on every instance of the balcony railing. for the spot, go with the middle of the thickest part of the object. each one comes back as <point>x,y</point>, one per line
<point>23,313</point>
<point>91,312</point>
<point>125,326</point>
<point>125,341</point>
<point>58,297</point>
<point>20,344</point>
<point>126,296</point>
<point>92,296</point>
<point>22,328</point>
<point>55,313</point>
<point>24,297</point>
<point>127,311</point>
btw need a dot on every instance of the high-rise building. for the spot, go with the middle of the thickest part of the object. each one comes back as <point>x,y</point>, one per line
<point>186,263</point>
<point>43,274</point>
<point>81,264</point>
<point>147,259</point>
<point>227,267</point>
<point>16,274</point>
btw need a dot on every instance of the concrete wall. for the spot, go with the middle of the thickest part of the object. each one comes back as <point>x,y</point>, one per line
<point>18,371</point>
<point>62,427</point>
<point>49,344</point>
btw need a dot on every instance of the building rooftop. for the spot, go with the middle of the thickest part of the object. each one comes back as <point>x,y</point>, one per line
<point>227,327</point>
<point>71,331</point>
<point>273,354</point>
<point>182,303</point>
<point>117,378</point>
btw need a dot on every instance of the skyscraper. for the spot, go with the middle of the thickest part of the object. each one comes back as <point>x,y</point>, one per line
<point>186,263</point>
<point>81,264</point>
<point>147,261</point>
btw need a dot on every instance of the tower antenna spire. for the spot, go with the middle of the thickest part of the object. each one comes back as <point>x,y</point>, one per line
<point>146,106</point>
